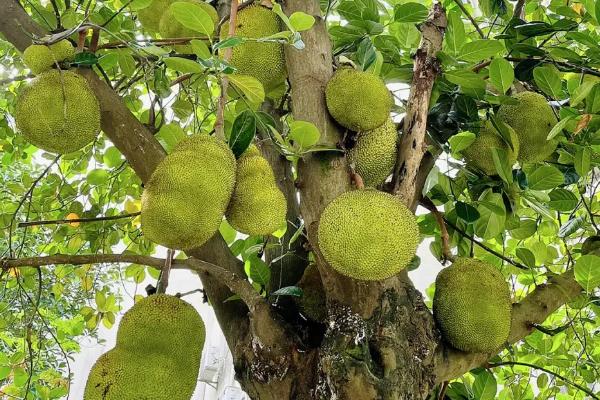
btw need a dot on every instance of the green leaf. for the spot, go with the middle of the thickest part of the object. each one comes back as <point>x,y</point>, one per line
<point>548,80</point>
<point>466,212</point>
<point>97,176</point>
<point>193,17</point>
<point>526,256</point>
<point>229,234</point>
<point>169,135</point>
<point>490,224</point>
<point>502,164</point>
<point>183,65</point>
<point>258,270</point>
<point>583,161</point>
<point>301,21</point>
<point>485,386</point>
<point>526,229</point>
<point>545,177</point>
<point>200,49</point>
<point>461,141</point>
<point>587,272</point>
<point>250,87</point>
<point>294,291</point>
<point>502,74</point>
<point>112,157</point>
<point>304,133</point>
<point>455,33</point>
<point>410,12</point>
<point>582,92</point>
<point>571,227</point>
<point>562,200</point>
<point>242,132</point>
<point>139,4</point>
<point>557,129</point>
<point>481,49</point>
<point>466,79</point>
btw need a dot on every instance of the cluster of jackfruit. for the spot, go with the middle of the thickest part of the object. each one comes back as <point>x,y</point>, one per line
<point>532,119</point>
<point>257,206</point>
<point>58,112</point>
<point>157,356</point>
<point>472,306</point>
<point>186,197</point>
<point>374,154</point>
<point>368,235</point>
<point>480,154</point>
<point>312,302</point>
<point>264,61</point>
<point>358,100</point>
<point>40,58</point>
<point>169,27</point>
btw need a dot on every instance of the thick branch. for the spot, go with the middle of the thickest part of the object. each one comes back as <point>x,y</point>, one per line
<point>533,309</point>
<point>412,145</point>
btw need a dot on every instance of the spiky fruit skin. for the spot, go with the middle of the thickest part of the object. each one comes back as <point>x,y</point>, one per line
<point>157,357</point>
<point>374,155</point>
<point>58,112</point>
<point>40,58</point>
<point>185,199</point>
<point>313,302</point>
<point>480,154</point>
<point>169,27</point>
<point>472,306</point>
<point>532,119</point>
<point>358,100</point>
<point>257,206</point>
<point>150,16</point>
<point>264,61</point>
<point>368,235</point>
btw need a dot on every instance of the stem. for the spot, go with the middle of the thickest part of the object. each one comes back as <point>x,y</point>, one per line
<point>466,12</point>
<point>70,221</point>
<point>446,252</point>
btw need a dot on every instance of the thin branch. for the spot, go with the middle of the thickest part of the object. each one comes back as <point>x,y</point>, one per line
<point>446,252</point>
<point>16,79</point>
<point>559,376</point>
<point>468,15</point>
<point>77,220</point>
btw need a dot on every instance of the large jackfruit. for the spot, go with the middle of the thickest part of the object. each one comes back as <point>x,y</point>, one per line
<point>184,201</point>
<point>58,112</point>
<point>157,357</point>
<point>480,155</point>
<point>358,100</point>
<point>374,155</point>
<point>368,235</point>
<point>40,58</point>
<point>472,306</point>
<point>169,27</point>
<point>150,16</point>
<point>532,119</point>
<point>264,61</point>
<point>257,206</point>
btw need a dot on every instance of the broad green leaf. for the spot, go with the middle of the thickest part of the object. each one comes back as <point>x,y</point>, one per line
<point>112,157</point>
<point>583,161</point>
<point>545,177</point>
<point>526,229</point>
<point>304,133</point>
<point>582,92</point>
<point>169,135</point>
<point>258,270</point>
<point>485,386</point>
<point>466,212</point>
<point>461,141</point>
<point>200,49</point>
<point>410,12</point>
<point>250,87</point>
<point>526,256</point>
<point>193,17</point>
<point>184,65</point>
<point>548,79</point>
<point>97,176</point>
<point>587,272</point>
<point>242,132</point>
<point>502,74</point>
<point>301,21</point>
<point>455,33</point>
<point>562,200</point>
<point>139,4</point>
<point>490,224</point>
<point>481,49</point>
<point>466,79</point>
<point>503,166</point>
<point>294,291</point>
<point>557,129</point>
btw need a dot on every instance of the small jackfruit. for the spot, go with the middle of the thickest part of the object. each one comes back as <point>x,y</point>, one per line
<point>374,155</point>
<point>312,302</point>
<point>532,119</point>
<point>150,16</point>
<point>169,27</point>
<point>472,306</point>
<point>40,58</point>
<point>264,61</point>
<point>358,100</point>
<point>185,199</point>
<point>257,206</point>
<point>368,235</point>
<point>480,154</point>
<point>58,112</point>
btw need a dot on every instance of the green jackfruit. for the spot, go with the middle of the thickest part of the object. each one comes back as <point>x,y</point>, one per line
<point>40,58</point>
<point>312,302</point>
<point>358,100</point>
<point>368,235</point>
<point>58,112</point>
<point>185,199</point>
<point>532,119</point>
<point>257,206</point>
<point>480,154</point>
<point>264,61</point>
<point>374,155</point>
<point>169,27</point>
<point>150,16</point>
<point>472,306</point>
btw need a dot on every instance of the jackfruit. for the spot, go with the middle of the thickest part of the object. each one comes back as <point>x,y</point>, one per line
<point>58,112</point>
<point>368,235</point>
<point>264,61</point>
<point>358,100</point>
<point>532,119</point>
<point>40,58</point>
<point>185,199</point>
<point>150,16</point>
<point>472,306</point>
<point>169,27</point>
<point>374,155</point>
<point>312,302</point>
<point>257,206</point>
<point>480,154</point>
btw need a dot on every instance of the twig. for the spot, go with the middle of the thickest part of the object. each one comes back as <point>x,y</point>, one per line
<point>443,389</point>
<point>163,281</point>
<point>16,79</point>
<point>446,252</point>
<point>70,221</point>
<point>466,12</point>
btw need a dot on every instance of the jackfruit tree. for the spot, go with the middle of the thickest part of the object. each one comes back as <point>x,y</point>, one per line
<point>376,199</point>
